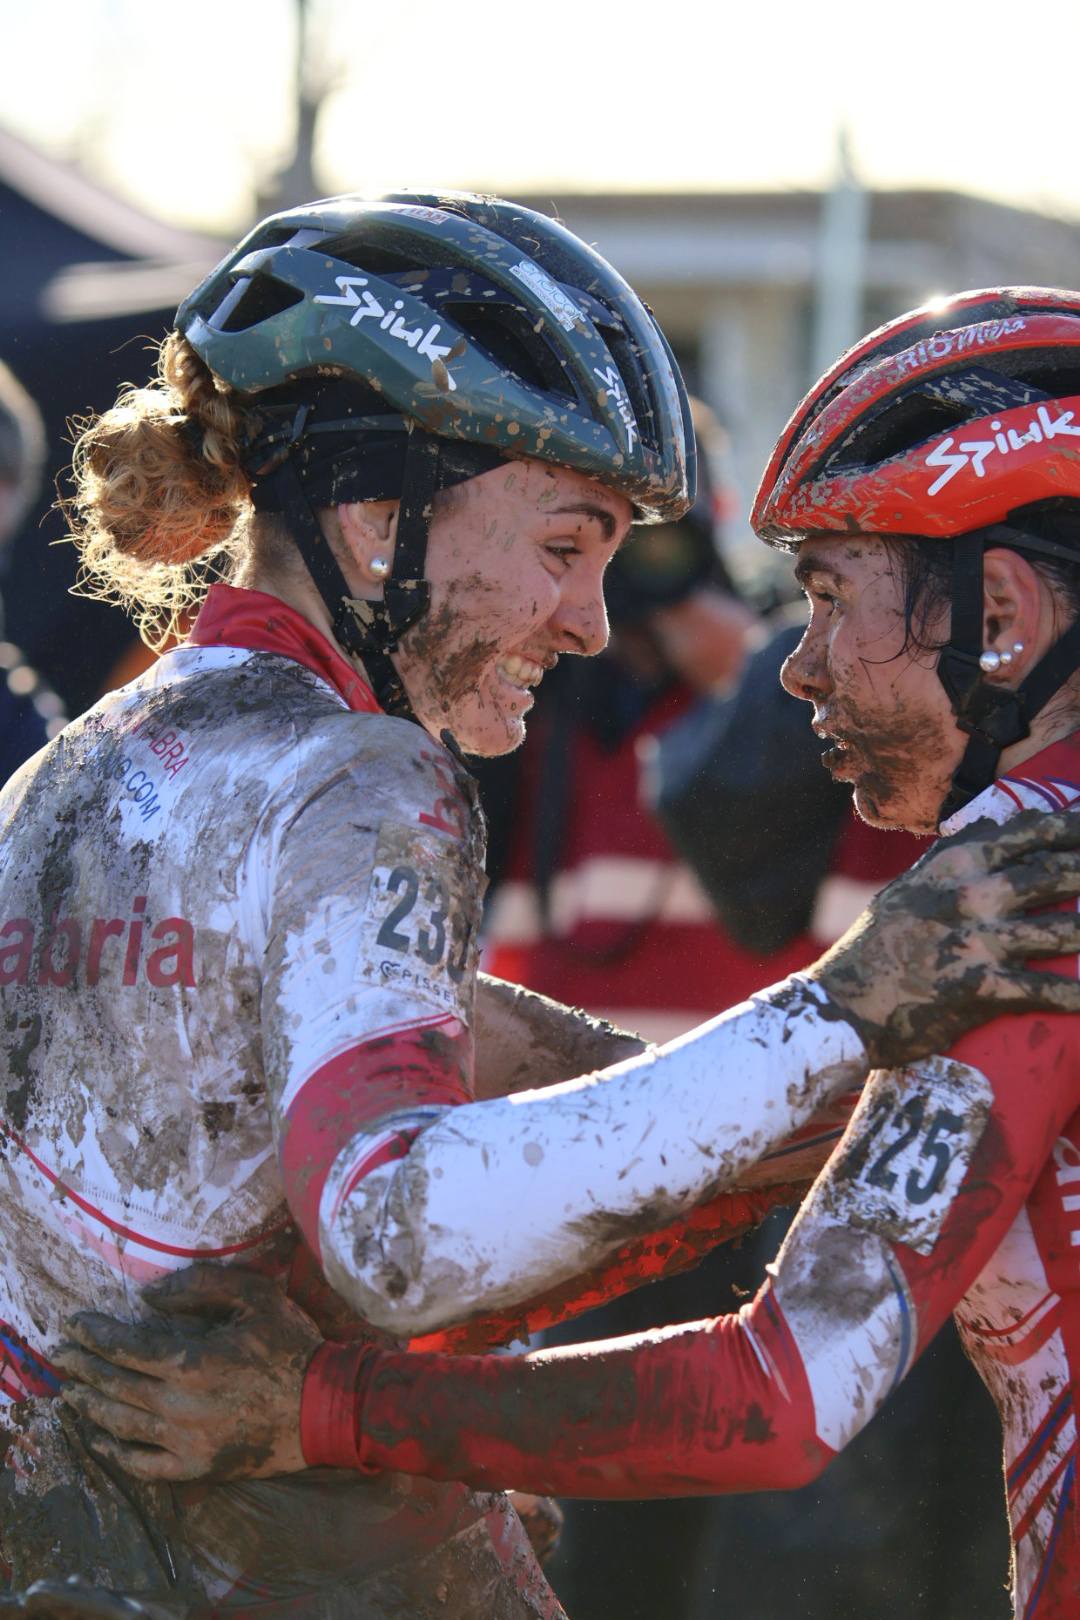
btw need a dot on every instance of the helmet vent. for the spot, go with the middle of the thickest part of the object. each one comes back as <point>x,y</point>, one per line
<point>375,258</point>
<point>263,297</point>
<point>900,427</point>
<point>509,337</point>
<point>931,406</point>
<point>630,371</point>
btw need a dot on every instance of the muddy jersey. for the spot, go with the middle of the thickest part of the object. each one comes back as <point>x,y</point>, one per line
<point>174,873</point>
<point>238,918</point>
<point>956,1187</point>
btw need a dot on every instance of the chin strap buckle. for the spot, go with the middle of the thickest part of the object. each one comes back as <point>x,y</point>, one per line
<point>369,626</point>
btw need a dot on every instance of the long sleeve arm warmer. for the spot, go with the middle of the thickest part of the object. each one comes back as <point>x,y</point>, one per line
<point>412,1216</point>
<point>931,1173</point>
<point>424,1206</point>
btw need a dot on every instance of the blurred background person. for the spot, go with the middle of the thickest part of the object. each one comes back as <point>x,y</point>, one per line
<point>30,711</point>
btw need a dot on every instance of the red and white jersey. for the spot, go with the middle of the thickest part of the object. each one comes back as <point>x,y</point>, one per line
<point>1020,1319</point>
<point>238,907</point>
<point>956,1187</point>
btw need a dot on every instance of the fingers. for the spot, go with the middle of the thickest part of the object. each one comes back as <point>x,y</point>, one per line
<point>1056,934</point>
<point>1029,991</point>
<point>123,1422</point>
<point>144,1347</point>
<point>1044,876</point>
<point>1030,830</point>
<point>207,1289</point>
<point>135,1389</point>
<point>144,1462</point>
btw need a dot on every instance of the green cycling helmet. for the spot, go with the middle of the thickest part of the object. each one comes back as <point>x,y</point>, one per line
<point>478,329</point>
<point>479,319</point>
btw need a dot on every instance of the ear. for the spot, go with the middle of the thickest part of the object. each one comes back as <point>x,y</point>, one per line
<point>368,530</point>
<point>1015,606</point>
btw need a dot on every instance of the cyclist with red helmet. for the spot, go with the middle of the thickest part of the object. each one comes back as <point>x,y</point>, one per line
<point>239,898</point>
<point>930,488</point>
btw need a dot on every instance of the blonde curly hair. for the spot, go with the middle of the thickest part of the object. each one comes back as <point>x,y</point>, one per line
<point>161,502</point>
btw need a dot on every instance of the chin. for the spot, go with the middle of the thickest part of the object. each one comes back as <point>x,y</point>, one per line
<point>490,742</point>
<point>889,815</point>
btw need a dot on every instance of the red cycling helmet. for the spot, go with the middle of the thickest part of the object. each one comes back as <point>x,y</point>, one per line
<point>959,421</point>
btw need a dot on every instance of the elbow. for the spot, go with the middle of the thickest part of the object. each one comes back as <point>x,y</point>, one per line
<point>788,1458</point>
<point>404,1279</point>
<point>803,1464</point>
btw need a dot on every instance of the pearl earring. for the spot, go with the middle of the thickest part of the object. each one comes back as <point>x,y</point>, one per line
<point>1018,647</point>
<point>990,661</point>
<point>379,567</point>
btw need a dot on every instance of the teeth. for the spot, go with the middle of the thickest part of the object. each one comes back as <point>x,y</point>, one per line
<point>521,671</point>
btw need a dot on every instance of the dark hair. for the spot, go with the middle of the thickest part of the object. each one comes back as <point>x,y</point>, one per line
<point>924,568</point>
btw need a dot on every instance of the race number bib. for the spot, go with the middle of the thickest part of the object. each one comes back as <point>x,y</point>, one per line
<point>422,918</point>
<point>908,1150</point>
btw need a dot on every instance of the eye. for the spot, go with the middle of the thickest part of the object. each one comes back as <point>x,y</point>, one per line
<point>563,551</point>
<point>816,596</point>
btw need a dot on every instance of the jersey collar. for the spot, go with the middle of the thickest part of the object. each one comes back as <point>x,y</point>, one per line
<point>232,617</point>
<point>1048,780</point>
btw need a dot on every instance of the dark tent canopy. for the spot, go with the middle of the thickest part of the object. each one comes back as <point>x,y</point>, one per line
<point>90,284</point>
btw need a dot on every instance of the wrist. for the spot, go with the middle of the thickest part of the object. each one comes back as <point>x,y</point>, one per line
<point>839,1038</point>
<point>330,1406</point>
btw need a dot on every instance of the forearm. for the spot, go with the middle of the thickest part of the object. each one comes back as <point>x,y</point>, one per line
<point>928,1180</point>
<point>674,1248</point>
<point>585,1167</point>
<point>526,1041</point>
<point>800,1157</point>
<point>707,1407</point>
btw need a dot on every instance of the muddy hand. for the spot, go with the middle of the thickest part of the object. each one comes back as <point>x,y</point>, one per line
<point>944,948</point>
<point>76,1599</point>
<point>215,1399</point>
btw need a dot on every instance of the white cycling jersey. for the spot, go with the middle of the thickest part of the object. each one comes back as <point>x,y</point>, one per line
<point>238,919</point>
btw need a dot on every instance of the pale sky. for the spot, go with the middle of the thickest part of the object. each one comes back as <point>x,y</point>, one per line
<point>180,105</point>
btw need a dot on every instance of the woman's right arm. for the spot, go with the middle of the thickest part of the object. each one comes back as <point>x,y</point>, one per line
<point>930,1177</point>
<point>426,1208</point>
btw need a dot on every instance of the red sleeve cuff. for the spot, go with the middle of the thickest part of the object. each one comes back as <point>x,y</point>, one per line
<point>330,1406</point>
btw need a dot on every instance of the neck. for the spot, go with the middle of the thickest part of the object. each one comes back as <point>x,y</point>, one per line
<point>1060,718</point>
<point>297,591</point>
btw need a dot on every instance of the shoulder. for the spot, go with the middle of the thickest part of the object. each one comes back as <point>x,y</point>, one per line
<point>359,771</point>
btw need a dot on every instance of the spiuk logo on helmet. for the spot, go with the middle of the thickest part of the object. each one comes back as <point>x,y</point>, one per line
<point>614,385</point>
<point>364,304</point>
<point>1006,440</point>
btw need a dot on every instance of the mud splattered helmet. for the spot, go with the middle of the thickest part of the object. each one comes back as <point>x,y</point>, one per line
<point>961,422</point>
<point>399,346</point>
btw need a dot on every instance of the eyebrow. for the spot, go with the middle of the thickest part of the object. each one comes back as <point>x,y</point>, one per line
<point>808,565</point>
<point>591,509</point>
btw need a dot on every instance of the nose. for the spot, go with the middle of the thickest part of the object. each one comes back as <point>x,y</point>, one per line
<point>581,616</point>
<point>803,671</point>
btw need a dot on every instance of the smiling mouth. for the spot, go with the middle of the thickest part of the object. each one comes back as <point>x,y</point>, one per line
<point>524,673</point>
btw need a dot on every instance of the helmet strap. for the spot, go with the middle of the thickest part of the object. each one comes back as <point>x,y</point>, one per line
<point>370,628</point>
<point>994,717</point>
